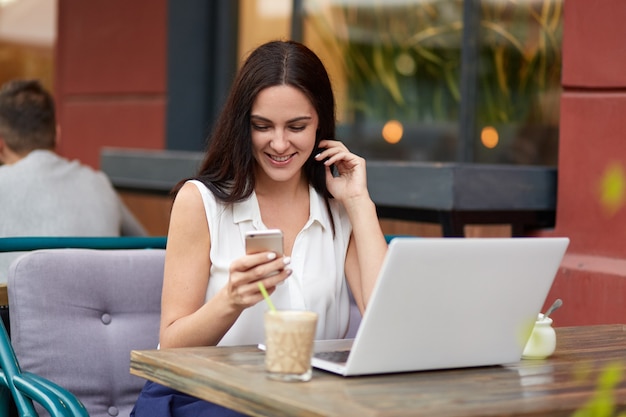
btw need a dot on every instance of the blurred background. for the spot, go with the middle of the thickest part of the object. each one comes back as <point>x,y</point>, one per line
<point>27,38</point>
<point>416,80</point>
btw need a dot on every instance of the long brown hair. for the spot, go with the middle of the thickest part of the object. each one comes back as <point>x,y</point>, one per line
<point>228,166</point>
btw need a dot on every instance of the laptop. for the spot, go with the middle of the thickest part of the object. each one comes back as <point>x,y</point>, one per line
<point>442,303</point>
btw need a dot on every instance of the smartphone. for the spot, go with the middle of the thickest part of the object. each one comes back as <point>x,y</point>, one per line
<point>264,240</point>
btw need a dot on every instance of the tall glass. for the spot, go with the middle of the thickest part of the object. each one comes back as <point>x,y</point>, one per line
<point>289,339</point>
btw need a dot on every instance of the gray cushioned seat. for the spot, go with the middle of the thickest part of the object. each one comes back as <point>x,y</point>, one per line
<point>76,314</point>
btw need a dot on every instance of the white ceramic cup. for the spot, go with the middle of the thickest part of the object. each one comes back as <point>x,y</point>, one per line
<point>542,341</point>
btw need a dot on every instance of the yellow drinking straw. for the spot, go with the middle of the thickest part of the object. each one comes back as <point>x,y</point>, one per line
<point>266,296</point>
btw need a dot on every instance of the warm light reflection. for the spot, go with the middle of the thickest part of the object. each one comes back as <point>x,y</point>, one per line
<point>405,64</point>
<point>392,131</point>
<point>489,137</point>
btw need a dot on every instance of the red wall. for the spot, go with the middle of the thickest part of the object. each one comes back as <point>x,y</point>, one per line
<point>111,62</point>
<point>591,206</point>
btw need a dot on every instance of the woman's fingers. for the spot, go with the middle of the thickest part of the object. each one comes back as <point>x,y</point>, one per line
<point>259,264</point>
<point>249,294</point>
<point>330,148</point>
<point>248,262</point>
<point>247,271</point>
<point>336,153</point>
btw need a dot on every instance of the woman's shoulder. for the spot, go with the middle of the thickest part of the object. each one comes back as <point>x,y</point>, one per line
<point>189,196</point>
<point>196,190</point>
<point>196,187</point>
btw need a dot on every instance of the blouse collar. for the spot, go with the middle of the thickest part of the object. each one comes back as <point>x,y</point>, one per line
<point>248,210</point>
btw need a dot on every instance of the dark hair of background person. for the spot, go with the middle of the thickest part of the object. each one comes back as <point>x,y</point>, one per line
<point>228,167</point>
<point>27,117</point>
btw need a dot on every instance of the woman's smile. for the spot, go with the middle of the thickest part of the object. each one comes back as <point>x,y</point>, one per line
<point>283,128</point>
<point>280,159</point>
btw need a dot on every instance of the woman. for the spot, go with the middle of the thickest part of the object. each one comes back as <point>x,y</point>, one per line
<point>271,163</point>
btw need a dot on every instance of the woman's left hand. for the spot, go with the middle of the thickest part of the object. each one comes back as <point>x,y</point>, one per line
<point>351,181</point>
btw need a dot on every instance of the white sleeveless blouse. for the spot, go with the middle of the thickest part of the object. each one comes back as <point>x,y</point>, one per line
<point>318,281</point>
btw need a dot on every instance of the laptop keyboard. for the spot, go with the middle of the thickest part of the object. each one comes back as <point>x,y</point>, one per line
<point>336,356</point>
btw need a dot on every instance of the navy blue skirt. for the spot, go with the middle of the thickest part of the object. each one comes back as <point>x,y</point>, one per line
<point>156,400</point>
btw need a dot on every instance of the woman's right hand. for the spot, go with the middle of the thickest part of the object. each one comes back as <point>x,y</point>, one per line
<point>246,273</point>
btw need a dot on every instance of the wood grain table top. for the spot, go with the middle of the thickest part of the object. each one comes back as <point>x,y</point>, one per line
<point>558,386</point>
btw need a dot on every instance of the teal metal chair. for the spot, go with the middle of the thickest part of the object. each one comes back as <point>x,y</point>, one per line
<point>19,389</point>
<point>24,388</point>
<point>29,243</point>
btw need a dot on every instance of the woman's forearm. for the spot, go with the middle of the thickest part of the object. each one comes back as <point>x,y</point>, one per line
<point>369,245</point>
<point>205,327</point>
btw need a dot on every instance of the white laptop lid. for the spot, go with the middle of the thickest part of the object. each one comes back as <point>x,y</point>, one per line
<point>451,303</point>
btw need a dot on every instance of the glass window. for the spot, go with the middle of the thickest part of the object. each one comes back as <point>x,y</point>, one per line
<point>261,21</point>
<point>27,37</point>
<point>397,69</point>
<point>519,81</point>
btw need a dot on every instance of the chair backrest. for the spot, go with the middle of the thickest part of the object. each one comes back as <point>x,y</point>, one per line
<point>77,313</point>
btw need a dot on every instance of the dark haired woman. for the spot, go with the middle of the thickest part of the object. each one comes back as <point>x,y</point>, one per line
<point>268,165</point>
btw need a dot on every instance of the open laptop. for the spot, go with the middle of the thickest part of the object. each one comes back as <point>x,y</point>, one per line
<point>444,303</point>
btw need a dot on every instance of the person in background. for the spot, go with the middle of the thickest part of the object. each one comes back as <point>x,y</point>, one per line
<point>272,163</point>
<point>42,193</point>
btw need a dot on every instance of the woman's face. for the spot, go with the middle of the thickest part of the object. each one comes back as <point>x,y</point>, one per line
<point>283,125</point>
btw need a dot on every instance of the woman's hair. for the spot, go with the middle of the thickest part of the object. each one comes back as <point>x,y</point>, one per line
<point>228,167</point>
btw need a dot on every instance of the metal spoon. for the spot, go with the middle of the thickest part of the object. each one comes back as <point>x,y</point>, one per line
<point>556,304</point>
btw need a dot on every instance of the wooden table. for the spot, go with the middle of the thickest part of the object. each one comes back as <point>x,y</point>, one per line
<point>4,294</point>
<point>234,377</point>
